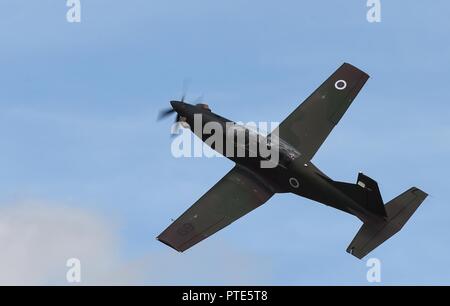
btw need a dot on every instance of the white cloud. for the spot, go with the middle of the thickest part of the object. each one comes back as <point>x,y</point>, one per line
<point>37,238</point>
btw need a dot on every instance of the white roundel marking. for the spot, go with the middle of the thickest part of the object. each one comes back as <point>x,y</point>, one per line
<point>294,182</point>
<point>340,85</point>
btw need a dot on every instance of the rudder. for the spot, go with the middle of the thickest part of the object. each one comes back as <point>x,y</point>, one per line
<point>366,193</point>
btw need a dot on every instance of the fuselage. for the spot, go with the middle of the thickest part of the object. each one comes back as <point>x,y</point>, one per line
<point>289,174</point>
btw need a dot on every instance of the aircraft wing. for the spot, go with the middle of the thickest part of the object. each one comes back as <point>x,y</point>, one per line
<point>310,124</point>
<point>236,194</point>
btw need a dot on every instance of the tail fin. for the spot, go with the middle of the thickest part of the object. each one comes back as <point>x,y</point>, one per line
<point>398,210</point>
<point>366,193</point>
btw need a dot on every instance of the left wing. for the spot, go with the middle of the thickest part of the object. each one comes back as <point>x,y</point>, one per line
<point>236,194</point>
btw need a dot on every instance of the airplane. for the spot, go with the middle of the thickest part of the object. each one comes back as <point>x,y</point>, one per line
<point>248,185</point>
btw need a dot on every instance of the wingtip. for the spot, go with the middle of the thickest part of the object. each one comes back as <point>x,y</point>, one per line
<point>353,67</point>
<point>168,244</point>
<point>419,191</point>
<point>351,251</point>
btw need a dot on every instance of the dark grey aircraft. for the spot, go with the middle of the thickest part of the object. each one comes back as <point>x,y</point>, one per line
<point>248,185</point>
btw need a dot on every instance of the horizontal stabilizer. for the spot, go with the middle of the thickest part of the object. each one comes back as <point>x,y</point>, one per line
<point>398,210</point>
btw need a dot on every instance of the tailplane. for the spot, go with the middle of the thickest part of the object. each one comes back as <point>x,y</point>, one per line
<point>398,212</point>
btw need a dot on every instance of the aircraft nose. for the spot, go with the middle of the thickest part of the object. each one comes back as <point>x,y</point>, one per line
<point>176,105</point>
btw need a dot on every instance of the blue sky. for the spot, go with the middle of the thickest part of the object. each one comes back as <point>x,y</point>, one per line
<point>78,136</point>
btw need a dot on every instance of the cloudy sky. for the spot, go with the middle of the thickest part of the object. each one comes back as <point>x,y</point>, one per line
<point>87,172</point>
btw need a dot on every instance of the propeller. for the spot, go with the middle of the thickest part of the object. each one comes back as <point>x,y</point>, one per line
<point>165,113</point>
<point>169,111</point>
<point>185,87</point>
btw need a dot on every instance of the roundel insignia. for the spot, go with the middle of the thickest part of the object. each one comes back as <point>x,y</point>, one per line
<point>340,85</point>
<point>294,182</point>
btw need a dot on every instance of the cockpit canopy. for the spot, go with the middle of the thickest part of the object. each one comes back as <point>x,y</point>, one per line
<point>204,106</point>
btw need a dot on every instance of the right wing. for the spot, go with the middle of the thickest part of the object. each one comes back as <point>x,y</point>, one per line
<point>236,194</point>
<point>307,127</point>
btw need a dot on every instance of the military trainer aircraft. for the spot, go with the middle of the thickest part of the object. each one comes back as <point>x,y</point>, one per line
<point>248,185</point>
